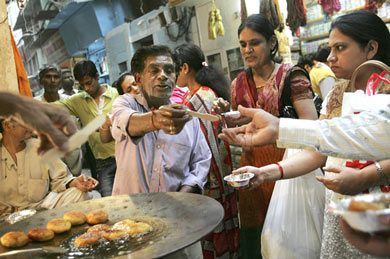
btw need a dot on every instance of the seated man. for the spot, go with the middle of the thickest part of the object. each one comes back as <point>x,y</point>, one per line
<point>26,182</point>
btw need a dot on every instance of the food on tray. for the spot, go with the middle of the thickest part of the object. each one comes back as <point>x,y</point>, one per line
<point>87,239</point>
<point>363,206</point>
<point>97,217</point>
<point>59,225</point>
<point>139,228</point>
<point>113,234</point>
<point>75,218</point>
<point>98,228</point>
<point>14,239</point>
<point>40,234</point>
<point>124,225</point>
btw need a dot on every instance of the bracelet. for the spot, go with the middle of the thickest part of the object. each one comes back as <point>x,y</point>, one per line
<point>154,126</point>
<point>381,173</point>
<point>281,170</point>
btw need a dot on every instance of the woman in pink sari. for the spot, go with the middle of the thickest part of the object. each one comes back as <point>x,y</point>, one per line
<point>206,84</point>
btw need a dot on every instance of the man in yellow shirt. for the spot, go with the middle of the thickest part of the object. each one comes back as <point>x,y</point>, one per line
<point>96,99</point>
<point>321,76</point>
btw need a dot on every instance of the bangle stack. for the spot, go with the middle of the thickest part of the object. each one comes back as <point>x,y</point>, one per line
<point>382,175</point>
<point>281,170</point>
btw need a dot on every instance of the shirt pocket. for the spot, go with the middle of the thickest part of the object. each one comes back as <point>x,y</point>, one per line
<point>177,157</point>
<point>37,189</point>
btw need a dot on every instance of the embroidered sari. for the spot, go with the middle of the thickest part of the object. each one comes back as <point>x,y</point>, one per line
<point>224,241</point>
<point>253,205</point>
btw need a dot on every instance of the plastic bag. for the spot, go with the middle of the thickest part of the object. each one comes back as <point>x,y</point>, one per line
<point>293,225</point>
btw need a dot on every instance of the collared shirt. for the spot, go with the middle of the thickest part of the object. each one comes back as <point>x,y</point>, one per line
<point>156,162</point>
<point>83,106</point>
<point>62,91</point>
<point>26,184</point>
<point>365,136</point>
<point>43,99</point>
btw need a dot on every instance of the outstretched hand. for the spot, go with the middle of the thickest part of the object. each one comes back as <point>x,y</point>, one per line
<point>263,129</point>
<point>171,118</point>
<point>344,180</point>
<point>52,123</point>
<point>373,244</point>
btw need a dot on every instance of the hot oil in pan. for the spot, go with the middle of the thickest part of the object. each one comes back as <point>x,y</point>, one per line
<point>123,246</point>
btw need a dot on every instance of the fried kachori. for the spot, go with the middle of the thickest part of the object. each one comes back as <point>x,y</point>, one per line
<point>98,228</point>
<point>14,239</point>
<point>113,234</point>
<point>139,229</point>
<point>75,217</point>
<point>87,239</point>
<point>40,234</point>
<point>59,225</point>
<point>124,225</point>
<point>97,217</point>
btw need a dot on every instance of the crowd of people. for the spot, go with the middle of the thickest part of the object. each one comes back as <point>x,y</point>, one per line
<point>151,144</point>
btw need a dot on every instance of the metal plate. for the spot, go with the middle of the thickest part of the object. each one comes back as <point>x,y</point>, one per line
<point>181,219</point>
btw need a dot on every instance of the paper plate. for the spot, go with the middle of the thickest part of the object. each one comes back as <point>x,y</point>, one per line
<point>365,221</point>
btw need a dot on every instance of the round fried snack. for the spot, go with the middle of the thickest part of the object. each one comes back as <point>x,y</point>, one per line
<point>98,228</point>
<point>59,225</point>
<point>14,239</point>
<point>87,239</point>
<point>75,218</point>
<point>97,217</point>
<point>124,225</point>
<point>113,234</point>
<point>41,234</point>
<point>139,228</point>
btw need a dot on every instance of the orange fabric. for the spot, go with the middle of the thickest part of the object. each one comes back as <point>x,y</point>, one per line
<point>23,83</point>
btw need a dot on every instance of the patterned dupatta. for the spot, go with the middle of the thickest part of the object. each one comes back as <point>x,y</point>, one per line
<point>225,239</point>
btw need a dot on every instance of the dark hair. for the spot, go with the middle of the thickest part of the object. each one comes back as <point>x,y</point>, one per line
<point>1,125</point>
<point>363,26</point>
<point>118,83</point>
<point>138,60</point>
<point>260,24</point>
<point>85,68</point>
<point>206,75</point>
<point>47,68</point>
<point>322,53</point>
<point>306,59</point>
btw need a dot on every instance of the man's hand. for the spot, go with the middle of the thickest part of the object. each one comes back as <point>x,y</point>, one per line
<point>345,180</point>
<point>84,183</point>
<point>263,129</point>
<point>171,118</point>
<point>373,244</point>
<point>53,124</point>
<point>220,106</point>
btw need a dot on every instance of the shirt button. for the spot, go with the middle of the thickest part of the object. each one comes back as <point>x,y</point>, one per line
<point>158,146</point>
<point>155,170</point>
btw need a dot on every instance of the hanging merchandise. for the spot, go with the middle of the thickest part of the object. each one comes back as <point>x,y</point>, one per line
<point>215,24</point>
<point>270,9</point>
<point>297,14</point>
<point>244,13</point>
<point>22,4</point>
<point>373,5</point>
<point>330,6</point>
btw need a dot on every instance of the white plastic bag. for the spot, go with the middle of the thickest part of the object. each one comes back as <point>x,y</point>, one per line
<point>293,225</point>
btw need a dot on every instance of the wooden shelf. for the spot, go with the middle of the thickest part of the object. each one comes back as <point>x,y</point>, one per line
<point>315,37</point>
<point>353,9</point>
<point>295,49</point>
<point>386,19</point>
<point>315,20</point>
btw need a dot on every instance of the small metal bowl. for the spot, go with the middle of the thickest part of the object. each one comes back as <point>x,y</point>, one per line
<point>232,114</point>
<point>366,220</point>
<point>238,180</point>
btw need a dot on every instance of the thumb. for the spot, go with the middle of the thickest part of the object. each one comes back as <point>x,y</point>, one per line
<point>332,169</point>
<point>248,112</point>
<point>320,179</point>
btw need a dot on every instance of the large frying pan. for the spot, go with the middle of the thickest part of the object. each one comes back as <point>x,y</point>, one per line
<point>178,219</point>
